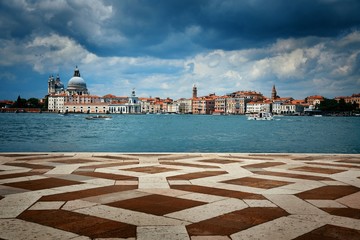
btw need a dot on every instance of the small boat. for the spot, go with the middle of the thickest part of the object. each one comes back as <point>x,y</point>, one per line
<point>99,117</point>
<point>261,116</point>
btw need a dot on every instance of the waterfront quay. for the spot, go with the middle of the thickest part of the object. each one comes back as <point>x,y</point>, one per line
<point>179,196</point>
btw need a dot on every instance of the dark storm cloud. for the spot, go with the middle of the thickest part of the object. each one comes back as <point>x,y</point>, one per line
<point>178,28</point>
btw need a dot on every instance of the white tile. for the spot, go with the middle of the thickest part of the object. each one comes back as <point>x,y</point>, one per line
<point>293,204</point>
<point>162,232</point>
<point>13,205</point>
<point>47,205</point>
<point>64,169</point>
<point>259,203</point>
<point>283,228</point>
<point>77,204</point>
<point>326,204</point>
<point>202,197</point>
<point>22,179</point>
<point>210,210</point>
<point>23,230</point>
<point>130,217</point>
<point>115,196</point>
<point>210,238</point>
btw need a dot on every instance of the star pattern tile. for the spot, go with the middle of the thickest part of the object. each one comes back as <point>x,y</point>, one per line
<point>179,196</point>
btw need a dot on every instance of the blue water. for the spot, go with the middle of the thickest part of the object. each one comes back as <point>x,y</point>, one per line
<point>178,133</point>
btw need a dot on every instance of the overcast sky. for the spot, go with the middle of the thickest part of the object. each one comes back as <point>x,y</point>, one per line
<point>163,47</point>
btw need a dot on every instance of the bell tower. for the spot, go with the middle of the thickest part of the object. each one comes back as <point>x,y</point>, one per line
<point>194,91</point>
<point>273,93</point>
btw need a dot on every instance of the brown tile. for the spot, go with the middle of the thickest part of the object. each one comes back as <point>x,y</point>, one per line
<point>179,157</point>
<point>106,175</point>
<point>151,170</point>
<point>257,182</point>
<point>334,165</point>
<point>234,222</point>
<point>17,175</point>
<point>29,165</point>
<point>354,161</point>
<point>88,193</point>
<point>328,192</point>
<point>42,183</point>
<point>217,192</point>
<point>42,157</point>
<point>344,212</point>
<point>220,161</point>
<point>309,158</point>
<point>117,157</point>
<point>264,165</point>
<point>331,232</point>
<point>20,155</point>
<point>291,175</point>
<point>188,164</point>
<point>196,175</point>
<point>156,204</point>
<point>74,161</point>
<point>90,226</point>
<point>318,170</point>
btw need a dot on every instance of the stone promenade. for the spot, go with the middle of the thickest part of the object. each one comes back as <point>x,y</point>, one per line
<point>179,196</point>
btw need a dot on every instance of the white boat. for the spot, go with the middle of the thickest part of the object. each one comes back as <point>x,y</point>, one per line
<point>98,117</point>
<point>261,116</point>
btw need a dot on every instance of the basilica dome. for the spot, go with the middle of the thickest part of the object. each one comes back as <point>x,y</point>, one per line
<point>77,84</point>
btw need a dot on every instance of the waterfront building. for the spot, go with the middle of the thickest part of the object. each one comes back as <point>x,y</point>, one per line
<point>204,105</point>
<point>184,105</point>
<point>98,107</point>
<point>220,105</point>
<point>256,107</point>
<point>74,93</point>
<point>55,86</point>
<point>353,99</point>
<point>132,106</point>
<point>313,100</point>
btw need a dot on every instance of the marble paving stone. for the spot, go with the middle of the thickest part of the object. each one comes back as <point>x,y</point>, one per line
<point>24,230</point>
<point>293,204</point>
<point>210,210</point>
<point>331,232</point>
<point>156,204</point>
<point>283,228</point>
<point>116,196</point>
<point>328,192</point>
<point>179,196</point>
<point>233,222</point>
<point>326,204</point>
<point>257,182</point>
<point>80,224</point>
<point>11,206</point>
<point>352,200</point>
<point>210,238</point>
<point>130,217</point>
<point>64,169</point>
<point>47,205</point>
<point>77,204</point>
<point>162,232</point>
<point>259,203</point>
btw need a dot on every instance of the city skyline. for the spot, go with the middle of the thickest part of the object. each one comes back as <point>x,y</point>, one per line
<point>303,47</point>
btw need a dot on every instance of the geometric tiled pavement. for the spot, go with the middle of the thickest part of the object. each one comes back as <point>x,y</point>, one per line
<point>179,196</point>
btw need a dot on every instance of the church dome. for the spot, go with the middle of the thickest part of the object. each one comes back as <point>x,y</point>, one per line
<point>77,83</point>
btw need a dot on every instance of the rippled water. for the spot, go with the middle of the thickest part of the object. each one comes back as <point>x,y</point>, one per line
<point>178,133</point>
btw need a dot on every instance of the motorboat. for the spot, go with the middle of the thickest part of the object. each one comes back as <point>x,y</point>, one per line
<point>98,117</point>
<point>261,116</point>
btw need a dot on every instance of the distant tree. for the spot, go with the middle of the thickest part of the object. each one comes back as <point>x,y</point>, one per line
<point>20,102</point>
<point>33,103</point>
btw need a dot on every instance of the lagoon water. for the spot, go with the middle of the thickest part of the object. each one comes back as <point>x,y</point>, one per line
<point>25,132</point>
